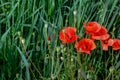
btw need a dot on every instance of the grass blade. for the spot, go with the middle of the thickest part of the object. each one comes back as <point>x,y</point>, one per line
<point>25,63</point>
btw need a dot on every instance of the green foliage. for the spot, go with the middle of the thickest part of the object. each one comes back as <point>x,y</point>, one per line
<point>27,54</point>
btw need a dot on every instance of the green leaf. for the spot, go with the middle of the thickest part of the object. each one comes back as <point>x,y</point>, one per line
<point>3,38</point>
<point>45,32</point>
<point>117,65</point>
<point>83,74</point>
<point>13,9</point>
<point>25,63</point>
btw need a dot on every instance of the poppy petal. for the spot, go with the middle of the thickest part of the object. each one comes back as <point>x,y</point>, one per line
<point>92,27</point>
<point>85,45</point>
<point>67,35</point>
<point>110,42</point>
<point>116,44</point>
<point>104,47</point>
<point>102,37</point>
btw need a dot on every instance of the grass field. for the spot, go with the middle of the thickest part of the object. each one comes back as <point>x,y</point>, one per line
<point>27,54</point>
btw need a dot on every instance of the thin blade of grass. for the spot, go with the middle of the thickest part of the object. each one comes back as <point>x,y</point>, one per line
<point>25,63</point>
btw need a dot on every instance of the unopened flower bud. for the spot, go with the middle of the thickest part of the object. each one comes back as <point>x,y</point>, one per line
<point>19,33</point>
<point>62,58</point>
<point>74,12</point>
<point>23,40</point>
<point>111,69</point>
<point>71,59</point>
<point>46,25</point>
<point>58,49</point>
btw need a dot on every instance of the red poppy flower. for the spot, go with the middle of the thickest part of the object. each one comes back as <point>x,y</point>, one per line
<point>85,45</point>
<point>101,34</point>
<point>107,43</point>
<point>116,44</point>
<point>67,35</point>
<point>92,27</point>
<point>49,39</point>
